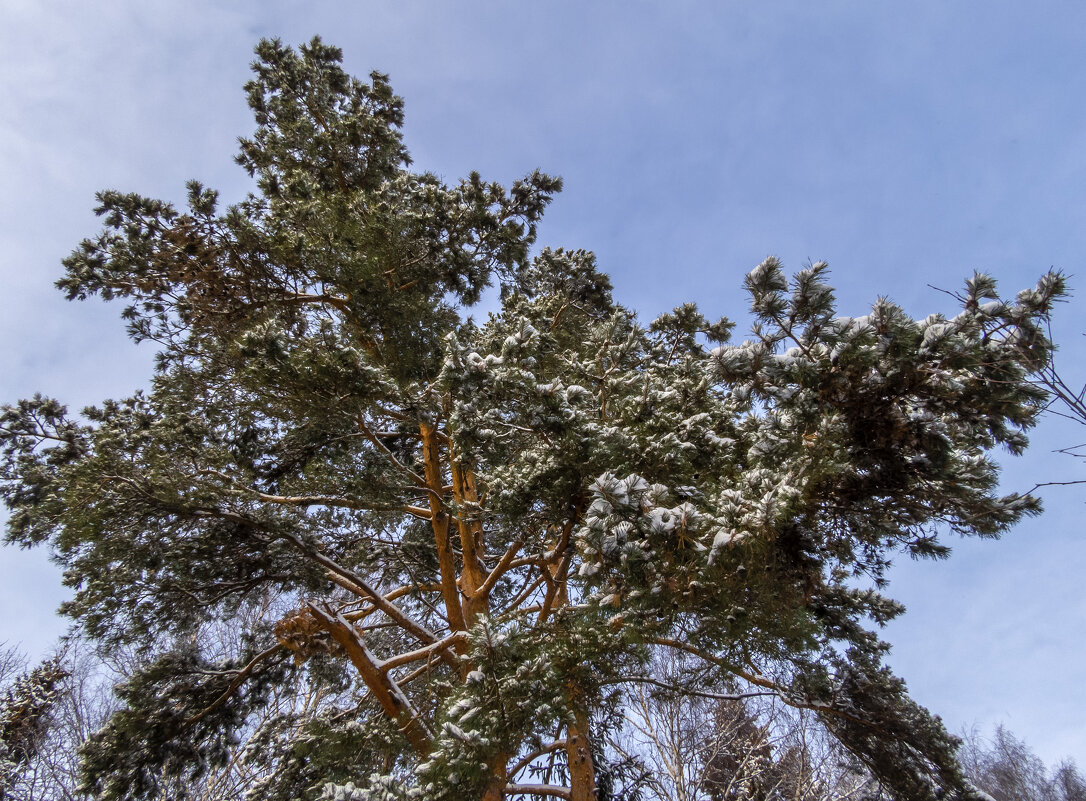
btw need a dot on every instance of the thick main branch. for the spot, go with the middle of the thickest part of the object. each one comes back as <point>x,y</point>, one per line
<point>388,694</point>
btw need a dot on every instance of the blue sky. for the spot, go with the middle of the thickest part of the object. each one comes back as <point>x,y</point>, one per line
<point>905,144</point>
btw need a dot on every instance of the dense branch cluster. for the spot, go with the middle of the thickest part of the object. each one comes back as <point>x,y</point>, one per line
<point>468,540</point>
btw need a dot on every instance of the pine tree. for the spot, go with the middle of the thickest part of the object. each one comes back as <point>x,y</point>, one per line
<point>464,538</point>
<point>25,707</point>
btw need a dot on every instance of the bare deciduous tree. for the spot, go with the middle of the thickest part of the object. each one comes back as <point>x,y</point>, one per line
<point>1008,770</point>
<point>703,745</point>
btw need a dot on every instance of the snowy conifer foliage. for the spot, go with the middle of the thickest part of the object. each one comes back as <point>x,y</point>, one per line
<point>463,539</point>
<point>25,706</point>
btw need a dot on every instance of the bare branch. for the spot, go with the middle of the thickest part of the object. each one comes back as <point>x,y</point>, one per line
<point>539,789</point>
<point>678,690</point>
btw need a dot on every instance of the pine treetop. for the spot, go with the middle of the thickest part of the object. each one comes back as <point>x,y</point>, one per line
<point>461,537</point>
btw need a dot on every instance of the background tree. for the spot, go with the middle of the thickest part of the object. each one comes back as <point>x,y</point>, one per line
<point>1008,770</point>
<point>26,706</point>
<point>81,700</point>
<point>725,747</point>
<point>465,542</point>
